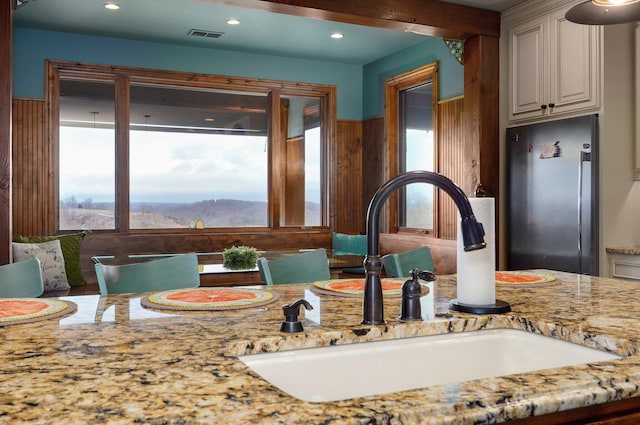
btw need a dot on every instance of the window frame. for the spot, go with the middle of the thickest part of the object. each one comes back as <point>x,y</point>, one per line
<point>392,88</point>
<point>123,76</point>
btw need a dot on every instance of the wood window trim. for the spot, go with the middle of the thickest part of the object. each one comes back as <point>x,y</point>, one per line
<point>392,88</point>
<point>124,76</point>
<point>123,102</point>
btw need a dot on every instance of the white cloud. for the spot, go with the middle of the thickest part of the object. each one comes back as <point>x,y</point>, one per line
<point>164,166</point>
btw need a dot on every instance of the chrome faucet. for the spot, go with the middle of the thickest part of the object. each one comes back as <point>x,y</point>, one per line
<point>472,234</point>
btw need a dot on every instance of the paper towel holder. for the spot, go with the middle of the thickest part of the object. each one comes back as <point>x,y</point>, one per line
<point>498,307</point>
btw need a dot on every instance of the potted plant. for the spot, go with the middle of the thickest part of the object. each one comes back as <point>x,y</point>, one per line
<point>240,257</point>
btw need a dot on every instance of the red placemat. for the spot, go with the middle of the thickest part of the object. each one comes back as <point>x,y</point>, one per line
<point>522,278</point>
<point>209,299</point>
<point>15,311</point>
<point>355,287</point>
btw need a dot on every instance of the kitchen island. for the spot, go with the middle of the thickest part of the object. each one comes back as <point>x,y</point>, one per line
<point>116,361</point>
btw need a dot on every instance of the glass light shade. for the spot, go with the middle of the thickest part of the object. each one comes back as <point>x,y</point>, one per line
<point>605,12</point>
<point>614,2</point>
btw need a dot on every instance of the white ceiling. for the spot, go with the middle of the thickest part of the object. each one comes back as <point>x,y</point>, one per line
<point>169,21</point>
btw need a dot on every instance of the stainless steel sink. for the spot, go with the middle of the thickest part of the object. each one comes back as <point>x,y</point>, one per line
<point>364,369</point>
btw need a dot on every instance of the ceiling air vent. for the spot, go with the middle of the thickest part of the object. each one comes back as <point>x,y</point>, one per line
<point>205,33</point>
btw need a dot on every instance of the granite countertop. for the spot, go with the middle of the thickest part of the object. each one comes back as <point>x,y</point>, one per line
<point>628,250</point>
<point>114,361</point>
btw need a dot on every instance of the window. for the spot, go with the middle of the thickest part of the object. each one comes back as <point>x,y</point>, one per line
<point>86,135</point>
<point>172,150</point>
<point>416,152</point>
<point>313,174</point>
<point>410,114</point>
<point>188,163</point>
<point>303,175</point>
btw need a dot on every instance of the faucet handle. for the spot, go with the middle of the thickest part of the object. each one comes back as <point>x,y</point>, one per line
<point>291,323</point>
<point>410,309</point>
<point>425,275</point>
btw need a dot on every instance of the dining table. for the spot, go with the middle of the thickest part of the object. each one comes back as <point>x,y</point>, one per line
<point>213,272</point>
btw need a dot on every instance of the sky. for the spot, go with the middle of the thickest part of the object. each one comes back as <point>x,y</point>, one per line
<point>169,167</point>
<point>420,156</point>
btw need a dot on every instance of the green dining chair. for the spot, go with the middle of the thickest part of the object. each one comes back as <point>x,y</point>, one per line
<point>401,264</point>
<point>309,266</point>
<point>22,279</point>
<point>175,272</point>
<point>345,244</point>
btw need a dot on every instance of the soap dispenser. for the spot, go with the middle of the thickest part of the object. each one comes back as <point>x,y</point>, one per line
<point>291,323</point>
<point>411,293</point>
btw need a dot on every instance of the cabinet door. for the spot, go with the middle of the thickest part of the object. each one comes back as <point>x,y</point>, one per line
<point>528,73</point>
<point>573,65</point>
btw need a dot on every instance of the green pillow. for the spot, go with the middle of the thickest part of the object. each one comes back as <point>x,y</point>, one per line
<point>70,245</point>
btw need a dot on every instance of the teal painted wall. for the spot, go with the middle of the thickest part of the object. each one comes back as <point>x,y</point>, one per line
<point>450,71</point>
<point>32,47</point>
<point>359,89</point>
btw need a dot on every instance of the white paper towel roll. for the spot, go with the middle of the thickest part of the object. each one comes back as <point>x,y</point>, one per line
<point>476,283</point>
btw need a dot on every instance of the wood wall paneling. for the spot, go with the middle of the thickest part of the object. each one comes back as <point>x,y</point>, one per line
<point>451,150</point>
<point>346,165</point>
<point>5,130</point>
<point>373,168</point>
<point>33,212</point>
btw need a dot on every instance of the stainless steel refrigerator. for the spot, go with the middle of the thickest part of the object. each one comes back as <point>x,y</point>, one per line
<point>552,196</point>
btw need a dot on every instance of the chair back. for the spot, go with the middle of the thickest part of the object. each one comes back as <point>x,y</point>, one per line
<point>401,264</point>
<point>22,279</point>
<point>298,268</point>
<point>344,244</point>
<point>175,272</point>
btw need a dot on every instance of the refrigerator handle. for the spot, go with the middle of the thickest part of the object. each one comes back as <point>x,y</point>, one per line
<point>584,156</point>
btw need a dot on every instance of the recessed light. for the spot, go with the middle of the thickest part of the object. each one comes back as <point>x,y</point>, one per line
<point>337,35</point>
<point>112,6</point>
<point>209,119</point>
<point>233,21</point>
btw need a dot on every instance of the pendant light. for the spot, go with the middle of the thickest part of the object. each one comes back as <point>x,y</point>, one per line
<point>605,12</point>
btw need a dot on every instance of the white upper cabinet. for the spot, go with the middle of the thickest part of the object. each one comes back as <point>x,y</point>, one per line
<point>554,67</point>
